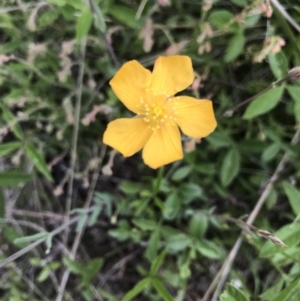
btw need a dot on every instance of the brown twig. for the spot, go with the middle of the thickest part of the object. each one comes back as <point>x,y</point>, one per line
<point>219,280</point>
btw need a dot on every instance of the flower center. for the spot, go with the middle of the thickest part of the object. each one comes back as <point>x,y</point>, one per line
<point>158,111</point>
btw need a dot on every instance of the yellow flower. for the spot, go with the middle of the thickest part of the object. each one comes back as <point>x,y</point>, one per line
<point>159,114</point>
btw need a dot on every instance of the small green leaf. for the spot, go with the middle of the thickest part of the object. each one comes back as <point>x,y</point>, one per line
<point>241,3</point>
<point>99,17</point>
<point>38,160</point>
<point>44,274</point>
<point>189,192</point>
<point>48,17</point>
<point>145,224</point>
<point>235,47</point>
<point>264,103</point>
<point>161,290</point>
<point>208,249</point>
<point>218,139</point>
<point>219,18</point>
<point>293,195</point>
<point>171,206</point>
<point>181,173</point>
<point>178,242</point>
<point>125,15</point>
<point>25,239</point>
<point>157,262</point>
<point>233,293</point>
<point>278,64</point>
<point>288,292</point>
<point>294,92</point>
<point>153,244</point>
<point>58,2</point>
<point>13,178</point>
<point>198,225</point>
<point>230,166</point>
<point>130,188</point>
<point>12,121</point>
<point>7,148</point>
<point>73,266</point>
<point>84,23</point>
<point>93,266</point>
<point>273,291</point>
<point>270,152</point>
<point>137,289</point>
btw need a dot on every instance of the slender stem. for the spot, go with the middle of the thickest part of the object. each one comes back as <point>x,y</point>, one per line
<point>221,276</point>
<point>38,242</point>
<point>75,135</point>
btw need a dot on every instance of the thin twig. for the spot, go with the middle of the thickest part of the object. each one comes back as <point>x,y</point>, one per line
<point>221,276</point>
<point>75,134</point>
<point>78,236</point>
<point>38,242</point>
<point>284,13</point>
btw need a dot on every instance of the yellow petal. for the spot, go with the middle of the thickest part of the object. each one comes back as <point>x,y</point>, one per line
<point>163,147</point>
<point>195,117</point>
<point>127,135</point>
<point>172,74</point>
<point>130,83</point>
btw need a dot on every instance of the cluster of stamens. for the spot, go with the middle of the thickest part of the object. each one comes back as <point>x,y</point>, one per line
<point>158,111</point>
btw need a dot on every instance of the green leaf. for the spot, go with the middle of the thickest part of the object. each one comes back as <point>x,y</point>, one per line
<point>37,160</point>
<point>218,139</point>
<point>145,224</point>
<point>130,188</point>
<point>241,3</point>
<point>294,92</point>
<point>12,121</point>
<point>137,289</point>
<point>189,192</point>
<point>73,266</point>
<point>171,206</point>
<point>161,290</point>
<point>25,239</point>
<point>48,17</point>
<point>289,234</point>
<point>278,64</point>
<point>58,2</point>
<point>7,148</point>
<point>153,244</point>
<point>93,266</point>
<point>219,18</point>
<point>178,242</point>
<point>12,234</point>
<point>208,249</point>
<point>125,15</point>
<point>293,195</point>
<point>235,47</point>
<point>270,152</point>
<point>230,166</point>
<point>233,293</point>
<point>288,291</point>
<point>273,291</point>
<point>99,17</point>
<point>84,23</point>
<point>157,262</point>
<point>181,173</point>
<point>198,225</point>
<point>264,103</point>
<point>13,178</point>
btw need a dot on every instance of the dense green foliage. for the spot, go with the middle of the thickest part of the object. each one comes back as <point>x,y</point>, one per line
<point>102,227</point>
